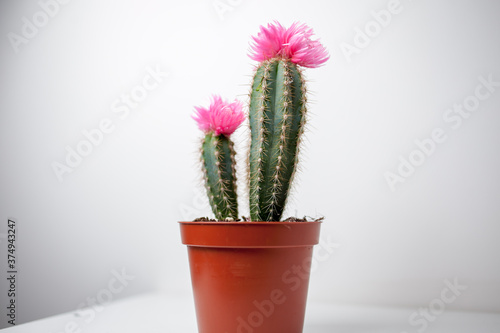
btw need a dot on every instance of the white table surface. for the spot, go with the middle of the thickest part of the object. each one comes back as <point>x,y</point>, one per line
<point>155,313</point>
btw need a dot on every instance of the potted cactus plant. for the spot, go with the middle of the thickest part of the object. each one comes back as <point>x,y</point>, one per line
<point>252,275</point>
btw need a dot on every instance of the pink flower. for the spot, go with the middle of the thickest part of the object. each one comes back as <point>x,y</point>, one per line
<point>221,117</point>
<point>294,44</point>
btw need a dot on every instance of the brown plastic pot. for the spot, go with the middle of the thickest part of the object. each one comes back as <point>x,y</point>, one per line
<point>250,277</point>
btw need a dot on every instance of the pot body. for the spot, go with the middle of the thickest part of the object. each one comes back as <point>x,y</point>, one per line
<point>250,277</point>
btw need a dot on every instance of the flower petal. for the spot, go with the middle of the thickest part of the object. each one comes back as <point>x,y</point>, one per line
<point>294,44</point>
<point>221,117</point>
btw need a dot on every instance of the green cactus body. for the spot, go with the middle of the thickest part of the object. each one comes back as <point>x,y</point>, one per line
<point>218,159</point>
<point>277,117</point>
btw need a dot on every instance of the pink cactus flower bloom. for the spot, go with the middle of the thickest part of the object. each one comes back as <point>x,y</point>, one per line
<point>294,44</point>
<point>221,117</point>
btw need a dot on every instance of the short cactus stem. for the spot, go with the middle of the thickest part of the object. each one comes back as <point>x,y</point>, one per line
<point>277,117</point>
<point>218,158</point>
<point>218,122</point>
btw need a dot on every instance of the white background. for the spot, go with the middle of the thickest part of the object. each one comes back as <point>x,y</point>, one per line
<point>118,209</point>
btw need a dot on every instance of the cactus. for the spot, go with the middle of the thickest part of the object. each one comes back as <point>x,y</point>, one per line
<point>218,122</point>
<point>277,114</point>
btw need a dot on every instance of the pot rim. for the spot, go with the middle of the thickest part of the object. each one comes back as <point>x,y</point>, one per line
<point>248,222</point>
<point>232,234</point>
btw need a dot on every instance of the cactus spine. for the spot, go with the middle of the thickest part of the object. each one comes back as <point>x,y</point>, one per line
<point>277,117</point>
<point>218,159</point>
